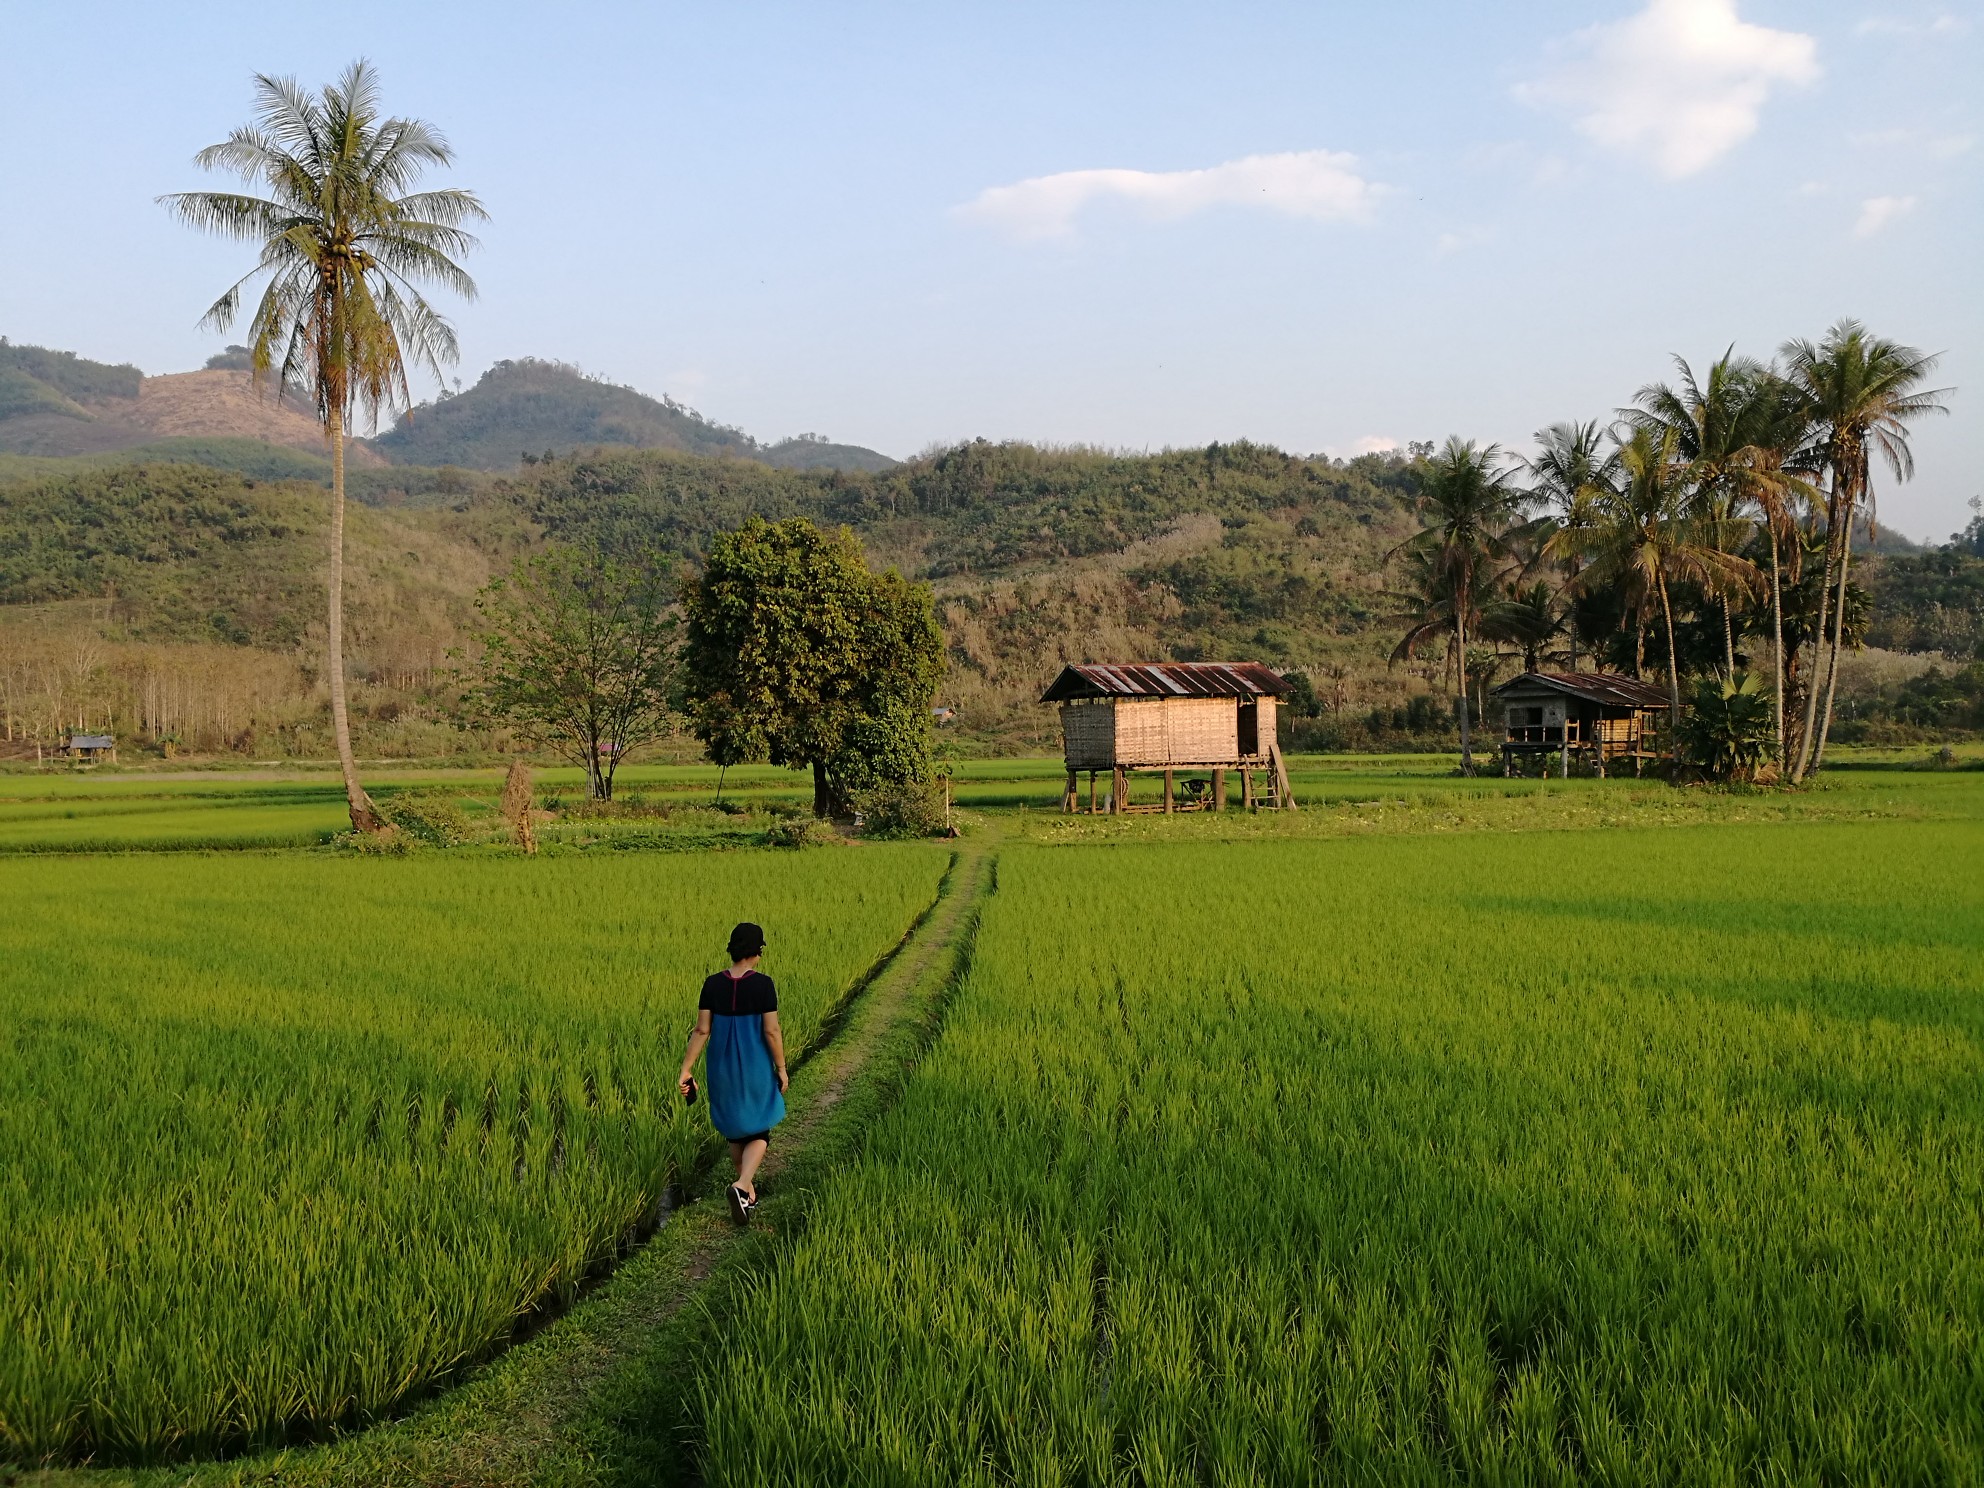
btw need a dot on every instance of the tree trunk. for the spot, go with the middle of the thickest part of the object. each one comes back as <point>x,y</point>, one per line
<point>1460,639</point>
<point>1838,640</point>
<point>1673,678</point>
<point>823,803</point>
<point>1812,682</point>
<point>1728,641</point>
<point>1777,625</point>
<point>364,816</point>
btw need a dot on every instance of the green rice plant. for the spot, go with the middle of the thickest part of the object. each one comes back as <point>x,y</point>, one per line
<point>1616,1157</point>
<point>285,1141</point>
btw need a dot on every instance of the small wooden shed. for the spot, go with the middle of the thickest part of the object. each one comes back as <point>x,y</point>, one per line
<point>1598,716</point>
<point>1168,717</point>
<point>90,749</point>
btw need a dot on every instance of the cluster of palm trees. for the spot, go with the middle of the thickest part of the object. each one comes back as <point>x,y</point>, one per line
<point>1732,500</point>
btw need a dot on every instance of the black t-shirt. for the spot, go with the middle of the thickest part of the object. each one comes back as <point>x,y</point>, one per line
<point>752,993</point>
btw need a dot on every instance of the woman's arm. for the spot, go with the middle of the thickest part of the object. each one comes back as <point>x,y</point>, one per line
<point>698,1037</point>
<point>775,1041</point>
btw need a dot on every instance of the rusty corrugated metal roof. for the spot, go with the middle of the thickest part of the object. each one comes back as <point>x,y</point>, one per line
<point>1166,679</point>
<point>1606,688</point>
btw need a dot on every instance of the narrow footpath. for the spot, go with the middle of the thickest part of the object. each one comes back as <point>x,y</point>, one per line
<point>602,1396</point>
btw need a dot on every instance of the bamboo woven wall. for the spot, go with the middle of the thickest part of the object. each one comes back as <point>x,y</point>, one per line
<point>1143,732</point>
<point>1088,732</point>
<point>1164,731</point>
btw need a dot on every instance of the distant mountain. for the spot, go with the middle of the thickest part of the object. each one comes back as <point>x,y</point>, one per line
<point>521,409</point>
<point>54,403</point>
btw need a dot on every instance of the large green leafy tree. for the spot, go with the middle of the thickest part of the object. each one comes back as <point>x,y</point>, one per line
<point>1468,500</point>
<point>345,240</point>
<point>796,654</point>
<point>1861,392</point>
<point>578,654</point>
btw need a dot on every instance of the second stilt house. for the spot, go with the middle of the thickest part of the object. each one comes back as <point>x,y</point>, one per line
<point>1190,718</point>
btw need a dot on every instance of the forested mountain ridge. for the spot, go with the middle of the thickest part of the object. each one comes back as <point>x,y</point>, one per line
<point>520,410</point>
<point>1038,557</point>
<point>57,405</point>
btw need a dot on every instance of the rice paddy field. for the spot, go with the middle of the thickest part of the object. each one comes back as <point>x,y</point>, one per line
<point>287,1139</point>
<point>1446,1131</point>
<point>1630,1157</point>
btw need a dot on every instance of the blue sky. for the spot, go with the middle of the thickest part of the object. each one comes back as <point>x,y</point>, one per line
<point>1322,226</point>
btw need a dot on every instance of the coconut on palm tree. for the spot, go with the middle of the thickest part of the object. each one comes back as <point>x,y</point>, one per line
<point>345,242</point>
<point>1860,393</point>
<point>1469,500</point>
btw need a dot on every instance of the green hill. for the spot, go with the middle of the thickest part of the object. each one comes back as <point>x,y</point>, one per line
<point>1038,557</point>
<point>71,379</point>
<point>521,409</point>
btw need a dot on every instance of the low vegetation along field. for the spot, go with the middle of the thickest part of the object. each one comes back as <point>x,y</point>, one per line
<point>286,1140</point>
<point>1444,1131</point>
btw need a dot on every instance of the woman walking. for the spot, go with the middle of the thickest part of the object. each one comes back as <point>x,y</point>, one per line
<point>737,1019</point>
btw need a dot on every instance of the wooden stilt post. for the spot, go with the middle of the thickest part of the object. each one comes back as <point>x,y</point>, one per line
<point>1284,794</point>
<point>1069,800</point>
<point>1119,796</point>
<point>1167,793</point>
<point>1091,793</point>
<point>1218,789</point>
<point>1246,789</point>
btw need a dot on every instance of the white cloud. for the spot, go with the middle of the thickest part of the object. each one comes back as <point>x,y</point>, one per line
<point>1375,444</point>
<point>1876,212</point>
<point>1679,84</point>
<point>1322,185</point>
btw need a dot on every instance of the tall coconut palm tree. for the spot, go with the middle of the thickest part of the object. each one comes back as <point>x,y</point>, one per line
<point>344,240</point>
<point>1646,532</point>
<point>1765,476</point>
<point>1571,462</point>
<point>1711,422</point>
<point>1861,392</point>
<point>1468,500</point>
<point>1528,617</point>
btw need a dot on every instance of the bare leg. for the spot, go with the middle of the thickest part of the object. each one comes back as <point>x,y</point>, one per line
<point>747,1156</point>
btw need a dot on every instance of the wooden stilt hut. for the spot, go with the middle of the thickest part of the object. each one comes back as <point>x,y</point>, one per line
<point>1172,717</point>
<point>1601,717</point>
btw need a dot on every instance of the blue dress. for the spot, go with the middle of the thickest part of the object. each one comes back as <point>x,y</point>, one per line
<point>745,1100</point>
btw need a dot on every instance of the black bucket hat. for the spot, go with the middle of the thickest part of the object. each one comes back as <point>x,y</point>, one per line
<point>746,941</point>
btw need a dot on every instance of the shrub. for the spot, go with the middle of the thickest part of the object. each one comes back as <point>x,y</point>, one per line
<point>800,832</point>
<point>1727,730</point>
<point>910,808</point>
<point>430,818</point>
